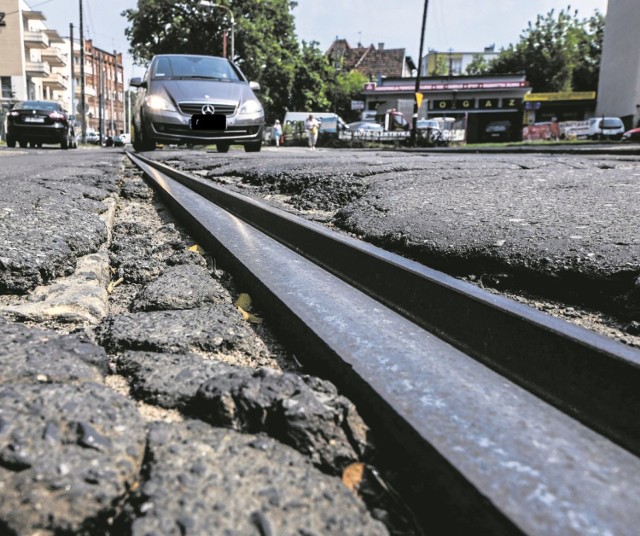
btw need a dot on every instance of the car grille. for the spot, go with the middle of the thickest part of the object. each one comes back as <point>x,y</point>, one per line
<point>191,108</point>
<point>182,130</point>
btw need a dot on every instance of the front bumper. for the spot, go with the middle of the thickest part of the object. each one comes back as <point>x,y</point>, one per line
<point>173,127</point>
<point>38,133</point>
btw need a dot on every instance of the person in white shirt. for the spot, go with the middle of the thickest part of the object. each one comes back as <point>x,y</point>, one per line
<point>312,126</point>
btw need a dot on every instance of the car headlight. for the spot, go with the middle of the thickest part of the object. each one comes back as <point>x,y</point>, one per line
<point>251,106</point>
<point>156,102</point>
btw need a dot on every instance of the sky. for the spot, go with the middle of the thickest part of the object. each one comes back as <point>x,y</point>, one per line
<point>460,25</point>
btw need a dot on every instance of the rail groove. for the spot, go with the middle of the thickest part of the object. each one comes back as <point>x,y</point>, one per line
<point>510,420</point>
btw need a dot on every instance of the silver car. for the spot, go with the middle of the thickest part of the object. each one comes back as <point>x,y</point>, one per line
<point>191,99</point>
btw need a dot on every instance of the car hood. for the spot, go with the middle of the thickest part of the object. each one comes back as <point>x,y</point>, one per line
<point>202,90</point>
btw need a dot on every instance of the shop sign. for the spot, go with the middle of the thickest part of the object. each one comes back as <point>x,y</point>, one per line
<point>512,103</point>
<point>442,104</point>
<point>488,104</point>
<point>562,96</point>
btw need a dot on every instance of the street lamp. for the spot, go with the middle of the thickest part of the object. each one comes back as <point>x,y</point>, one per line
<point>233,23</point>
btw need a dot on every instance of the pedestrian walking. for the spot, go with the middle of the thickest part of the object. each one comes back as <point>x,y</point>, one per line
<point>277,132</point>
<point>312,126</point>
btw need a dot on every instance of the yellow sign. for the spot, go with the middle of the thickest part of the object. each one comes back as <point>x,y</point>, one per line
<point>419,97</point>
<point>562,96</point>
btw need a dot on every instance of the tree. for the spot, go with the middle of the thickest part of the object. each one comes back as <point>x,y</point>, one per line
<point>586,74</point>
<point>556,53</point>
<point>348,87</point>
<point>440,66</point>
<point>478,65</point>
<point>313,72</point>
<point>266,47</point>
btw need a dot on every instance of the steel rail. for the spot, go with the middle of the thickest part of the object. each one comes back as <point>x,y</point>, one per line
<point>490,456</point>
<point>595,379</point>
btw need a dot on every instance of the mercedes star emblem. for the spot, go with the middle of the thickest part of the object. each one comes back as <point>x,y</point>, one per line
<point>208,109</point>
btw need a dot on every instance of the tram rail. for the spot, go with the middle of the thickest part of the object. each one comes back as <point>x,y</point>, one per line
<point>511,421</point>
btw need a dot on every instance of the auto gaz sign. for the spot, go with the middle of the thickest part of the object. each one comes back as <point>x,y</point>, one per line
<point>2,21</point>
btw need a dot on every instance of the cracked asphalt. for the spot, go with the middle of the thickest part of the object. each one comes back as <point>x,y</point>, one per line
<point>124,359</point>
<point>553,227</point>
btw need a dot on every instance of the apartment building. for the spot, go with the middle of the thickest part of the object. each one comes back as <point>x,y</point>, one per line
<point>453,63</point>
<point>30,62</point>
<point>37,63</point>
<point>104,87</point>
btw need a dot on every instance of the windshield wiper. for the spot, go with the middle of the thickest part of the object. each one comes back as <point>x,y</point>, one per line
<point>205,77</point>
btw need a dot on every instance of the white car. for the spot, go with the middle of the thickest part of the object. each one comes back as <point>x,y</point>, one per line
<point>121,140</point>
<point>606,128</point>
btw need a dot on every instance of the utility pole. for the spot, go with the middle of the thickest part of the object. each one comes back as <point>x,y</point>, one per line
<point>414,122</point>
<point>83,97</point>
<point>100,98</point>
<point>72,77</point>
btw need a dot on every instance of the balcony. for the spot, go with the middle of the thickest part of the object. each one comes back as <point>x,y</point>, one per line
<point>53,57</point>
<point>55,81</point>
<point>36,40</point>
<point>88,70</point>
<point>54,36</point>
<point>32,15</point>
<point>37,69</point>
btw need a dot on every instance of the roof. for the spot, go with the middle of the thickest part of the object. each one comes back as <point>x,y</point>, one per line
<point>370,61</point>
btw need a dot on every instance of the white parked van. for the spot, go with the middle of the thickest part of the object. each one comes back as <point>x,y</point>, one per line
<point>329,122</point>
<point>605,128</point>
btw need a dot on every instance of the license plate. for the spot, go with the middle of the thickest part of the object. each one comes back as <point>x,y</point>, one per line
<point>208,122</point>
<point>34,119</point>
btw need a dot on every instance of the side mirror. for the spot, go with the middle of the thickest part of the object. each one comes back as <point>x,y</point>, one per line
<point>137,82</point>
<point>254,86</point>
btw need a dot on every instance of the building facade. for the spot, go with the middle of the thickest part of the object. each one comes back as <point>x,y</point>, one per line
<point>472,101</point>
<point>104,88</point>
<point>452,63</point>
<point>374,62</point>
<point>619,81</point>
<point>32,66</point>
<point>36,63</point>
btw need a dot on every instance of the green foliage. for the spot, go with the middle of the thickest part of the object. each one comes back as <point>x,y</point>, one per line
<point>348,87</point>
<point>311,90</point>
<point>266,47</point>
<point>440,67</point>
<point>557,53</point>
<point>292,76</point>
<point>479,65</point>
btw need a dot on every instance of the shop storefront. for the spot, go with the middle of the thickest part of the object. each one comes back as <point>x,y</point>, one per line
<point>475,102</point>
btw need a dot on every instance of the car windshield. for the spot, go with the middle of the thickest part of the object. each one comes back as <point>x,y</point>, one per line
<point>197,67</point>
<point>37,105</point>
<point>497,127</point>
<point>610,123</point>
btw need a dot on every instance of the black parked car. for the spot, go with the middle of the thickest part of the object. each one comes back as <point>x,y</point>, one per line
<point>191,99</point>
<point>498,131</point>
<point>35,122</point>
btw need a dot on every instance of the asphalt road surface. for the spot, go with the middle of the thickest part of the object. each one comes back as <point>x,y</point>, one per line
<point>107,310</point>
<point>557,226</point>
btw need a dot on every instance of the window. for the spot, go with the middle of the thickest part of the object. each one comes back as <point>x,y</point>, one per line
<point>456,66</point>
<point>5,83</point>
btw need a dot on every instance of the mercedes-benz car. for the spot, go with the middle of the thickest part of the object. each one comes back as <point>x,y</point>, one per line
<point>195,100</point>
